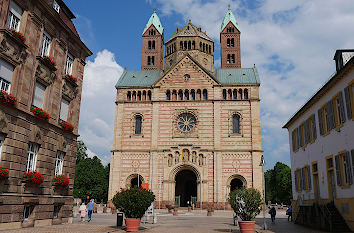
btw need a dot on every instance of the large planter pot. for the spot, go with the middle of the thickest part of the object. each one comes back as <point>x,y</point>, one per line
<point>246,226</point>
<point>132,224</point>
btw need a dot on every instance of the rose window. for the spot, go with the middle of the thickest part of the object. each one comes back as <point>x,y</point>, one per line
<point>186,122</point>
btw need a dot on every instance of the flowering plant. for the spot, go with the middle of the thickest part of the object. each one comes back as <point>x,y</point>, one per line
<point>34,177</point>
<point>4,173</point>
<point>18,35</point>
<point>49,60</point>
<point>66,126</point>
<point>40,113</point>
<point>7,98</point>
<point>61,180</point>
<point>71,78</point>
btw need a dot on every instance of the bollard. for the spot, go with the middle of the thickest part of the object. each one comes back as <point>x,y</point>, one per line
<point>119,219</point>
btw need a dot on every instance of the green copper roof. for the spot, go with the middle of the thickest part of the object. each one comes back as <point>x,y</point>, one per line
<point>229,17</point>
<point>138,78</point>
<point>154,20</point>
<point>237,76</point>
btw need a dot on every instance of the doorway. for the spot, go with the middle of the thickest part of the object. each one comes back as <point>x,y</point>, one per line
<point>236,183</point>
<point>186,187</point>
<point>136,181</point>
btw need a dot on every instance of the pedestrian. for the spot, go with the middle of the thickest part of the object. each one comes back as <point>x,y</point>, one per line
<point>82,211</point>
<point>289,212</point>
<point>90,209</point>
<point>272,213</point>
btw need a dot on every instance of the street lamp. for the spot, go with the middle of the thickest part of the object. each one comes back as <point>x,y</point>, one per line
<point>262,163</point>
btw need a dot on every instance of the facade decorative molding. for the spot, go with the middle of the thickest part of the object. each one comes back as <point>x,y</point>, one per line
<point>69,89</point>
<point>44,73</point>
<point>12,49</point>
<point>176,132</point>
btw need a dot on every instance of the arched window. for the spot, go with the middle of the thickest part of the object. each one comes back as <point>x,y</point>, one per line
<point>209,49</point>
<point>153,45</point>
<point>134,96</point>
<point>233,58</point>
<point>186,95</point>
<point>170,160</point>
<point>228,58</point>
<point>199,94</point>
<point>152,60</point>
<point>181,45</point>
<point>185,155</point>
<point>180,95</point>
<point>201,45</point>
<point>194,157</point>
<point>235,123</point>
<point>193,94</point>
<point>201,160</point>
<point>176,157</point>
<point>229,94</point>
<point>149,44</point>
<point>232,44</point>
<point>205,94</point>
<point>149,61</point>
<point>224,94</point>
<point>129,96</point>
<point>245,94</point>
<point>149,95</point>
<point>193,44</point>
<point>168,95</point>
<point>138,124</point>
<point>228,42</point>
<point>144,95</point>
<point>139,95</point>
<point>240,93</point>
<point>235,94</point>
<point>185,45</point>
<point>189,45</point>
<point>174,95</point>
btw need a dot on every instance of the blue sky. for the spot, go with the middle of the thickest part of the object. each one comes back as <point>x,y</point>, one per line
<point>291,42</point>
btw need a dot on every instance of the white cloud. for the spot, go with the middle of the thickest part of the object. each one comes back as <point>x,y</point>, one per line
<point>97,106</point>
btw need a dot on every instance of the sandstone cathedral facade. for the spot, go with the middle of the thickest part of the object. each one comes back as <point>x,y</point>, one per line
<point>191,132</point>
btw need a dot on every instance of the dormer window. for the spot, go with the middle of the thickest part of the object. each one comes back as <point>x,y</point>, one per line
<point>56,6</point>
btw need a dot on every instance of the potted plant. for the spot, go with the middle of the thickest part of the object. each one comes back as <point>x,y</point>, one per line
<point>71,78</point>
<point>34,177</point>
<point>61,180</point>
<point>246,202</point>
<point>7,98</point>
<point>4,173</point>
<point>40,113</point>
<point>66,126</point>
<point>18,35</point>
<point>50,61</point>
<point>133,202</point>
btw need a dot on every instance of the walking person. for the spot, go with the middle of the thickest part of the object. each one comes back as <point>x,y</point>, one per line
<point>272,213</point>
<point>90,209</point>
<point>82,211</point>
<point>289,212</point>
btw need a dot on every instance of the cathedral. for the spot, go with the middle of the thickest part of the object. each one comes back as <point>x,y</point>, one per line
<point>188,131</point>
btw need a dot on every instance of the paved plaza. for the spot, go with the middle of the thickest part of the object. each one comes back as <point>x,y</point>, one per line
<point>221,221</point>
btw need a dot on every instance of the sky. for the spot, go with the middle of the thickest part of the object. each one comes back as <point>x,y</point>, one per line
<point>291,42</point>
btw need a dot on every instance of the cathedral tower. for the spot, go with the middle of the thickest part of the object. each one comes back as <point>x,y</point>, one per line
<point>153,41</point>
<point>230,42</point>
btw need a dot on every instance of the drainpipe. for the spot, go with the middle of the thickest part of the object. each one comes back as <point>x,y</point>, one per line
<point>201,203</point>
<point>217,181</point>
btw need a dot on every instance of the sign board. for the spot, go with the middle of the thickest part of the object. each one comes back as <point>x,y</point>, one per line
<point>145,185</point>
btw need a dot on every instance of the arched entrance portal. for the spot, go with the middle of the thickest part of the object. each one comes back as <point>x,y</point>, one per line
<point>236,183</point>
<point>136,181</point>
<point>186,187</point>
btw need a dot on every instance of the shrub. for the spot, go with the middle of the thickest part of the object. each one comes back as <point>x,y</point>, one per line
<point>7,98</point>
<point>246,202</point>
<point>40,113</point>
<point>34,177</point>
<point>133,202</point>
<point>61,180</point>
<point>4,173</point>
<point>66,126</point>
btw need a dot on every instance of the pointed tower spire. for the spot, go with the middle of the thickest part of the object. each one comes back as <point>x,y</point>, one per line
<point>230,42</point>
<point>153,41</point>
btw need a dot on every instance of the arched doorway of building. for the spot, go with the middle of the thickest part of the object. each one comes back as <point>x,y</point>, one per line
<point>236,183</point>
<point>136,181</point>
<point>186,187</point>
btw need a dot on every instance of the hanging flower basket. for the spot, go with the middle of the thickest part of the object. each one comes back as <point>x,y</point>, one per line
<point>7,98</point>
<point>66,126</point>
<point>50,61</point>
<point>61,180</point>
<point>4,173</point>
<point>34,177</point>
<point>40,113</point>
<point>71,78</point>
<point>18,35</point>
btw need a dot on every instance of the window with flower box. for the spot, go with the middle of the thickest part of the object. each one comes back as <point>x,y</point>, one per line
<point>59,161</point>
<point>38,97</point>
<point>64,109</point>
<point>32,156</point>
<point>14,17</point>
<point>45,47</point>
<point>69,64</point>
<point>6,71</point>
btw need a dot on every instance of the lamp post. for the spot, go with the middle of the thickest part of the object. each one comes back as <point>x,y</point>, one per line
<point>262,163</point>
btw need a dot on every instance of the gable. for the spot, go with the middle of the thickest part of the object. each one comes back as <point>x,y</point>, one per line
<point>177,76</point>
<point>230,24</point>
<point>146,33</point>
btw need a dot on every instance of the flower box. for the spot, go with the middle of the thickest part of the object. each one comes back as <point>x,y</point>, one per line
<point>71,78</point>
<point>40,113</point>
<point>66,126</point>
<point>61,180</point>
<point>50,61</point>
<point>4,173</point>
<point>7,98</point>
<point>34,177</point>
<point>18,35</point>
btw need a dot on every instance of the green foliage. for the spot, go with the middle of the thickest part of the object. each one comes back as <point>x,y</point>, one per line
<point>278,184</point>
<point>133,202</point>
<point>91,177</point>
<point>246,202</point>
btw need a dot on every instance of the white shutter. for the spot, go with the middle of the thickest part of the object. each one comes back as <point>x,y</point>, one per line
<point>64,109</point>
<point>38,97</point>
<point>6,70</point>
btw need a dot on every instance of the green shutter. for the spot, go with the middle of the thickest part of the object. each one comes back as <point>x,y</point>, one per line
<point>338,172</point>
<point>347,103</point>
<point>349,169</point>
<point>314,132</point>
<point>341,107</point>
<point>320,122</point>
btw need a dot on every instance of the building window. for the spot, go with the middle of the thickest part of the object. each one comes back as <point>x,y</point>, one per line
<point>186,122</point>
<point>27,211</point>
<point>151,60</point>
<point>228,58</point>
<point>32,156</point>
<point>6,71</point>
<point>180,95</point>
<point>307,178</point>
<point>149,44</point>
<point>326,118</point>
<point>339,114</point>
<point>232,43</point>
<point>297,180</point>
<point>69,64</point>
<point>45,47</point>
<point>14,17</point>
<point>205,94</point>
<point>2,139</point>
<point>235,123</point>
<point>38,98</point>
<point>56,211</point>
<point>245,94</point>
<point>64,109</point>
<point>56,6</point>
<point>224,94</point>
<point>193,94</point>
<point>153,45</point>
<point>138,124</point>
<point>59,161</point>
<point>233,58</point>
<point>344,169</point>
<point>228,43</point>
<point>349,100</point>
<point>168,95</point>
<point>186,94</point>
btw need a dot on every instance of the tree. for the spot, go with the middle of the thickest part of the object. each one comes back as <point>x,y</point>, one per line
<point>81,151</point>
<point>278,183</point>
